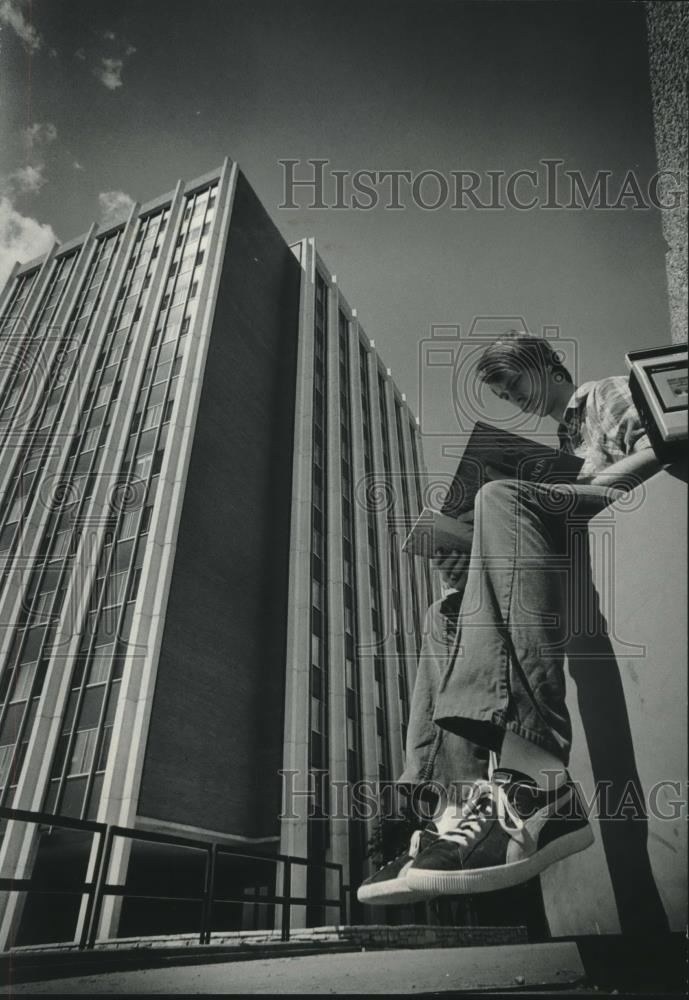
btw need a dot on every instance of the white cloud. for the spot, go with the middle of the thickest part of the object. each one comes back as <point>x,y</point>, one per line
<point>28,179</point>
<point>109,72</point>
<point>21,238</point>
<point>40,133</point>
<point>12,15</point>
<point>107,60</point>
<point>115,206</point>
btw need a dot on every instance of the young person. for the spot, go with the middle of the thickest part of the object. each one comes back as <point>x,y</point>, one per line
<point>504,687</point>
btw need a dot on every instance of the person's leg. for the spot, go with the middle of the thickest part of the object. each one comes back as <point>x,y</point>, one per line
<point>511,614</point>
<point>440,767</point>
<point>506,671</point>
<point>508,663</point>
<point>436,757</point>
<point>526,757</point>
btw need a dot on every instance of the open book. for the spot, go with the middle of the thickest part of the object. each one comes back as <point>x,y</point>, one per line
<point>518,457</point>
<point>434,529</point>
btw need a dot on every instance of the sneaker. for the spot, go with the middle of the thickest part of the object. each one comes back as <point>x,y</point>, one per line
<point>388,886</point>
<point>509,831</point>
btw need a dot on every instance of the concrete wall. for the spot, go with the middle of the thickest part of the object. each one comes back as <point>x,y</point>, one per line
<point>668,45</point>
<point>215,739</point>
<point>628,701</point>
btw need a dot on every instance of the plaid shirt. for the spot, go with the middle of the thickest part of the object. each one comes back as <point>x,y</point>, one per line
<point>601,424</point>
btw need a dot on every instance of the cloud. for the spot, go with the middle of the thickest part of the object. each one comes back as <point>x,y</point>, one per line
<point>12,15</point>
<point>107,58</point>
<point>109,72</point>
<point>21,238</point>
<point>115,206</point>
<point>28,179</point>
<point>40,133</point>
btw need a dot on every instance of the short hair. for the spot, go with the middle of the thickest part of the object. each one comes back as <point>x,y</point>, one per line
<point>515,352</point>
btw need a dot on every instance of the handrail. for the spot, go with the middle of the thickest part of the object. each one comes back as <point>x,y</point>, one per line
<point>99,887</point>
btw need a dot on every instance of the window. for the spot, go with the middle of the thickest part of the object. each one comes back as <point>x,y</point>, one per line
<point>82,752</point>
<point>317,715</point>
<point>351,734</point>
<point>129,521</point>
<point>16,508</point>
<point>102,395</point>
<point>100,665</point>
<point>147,442</point>
<point>22,687</point>
<point>61,544</point>
<point>142,467</point>
<point>91,439</point>
<point>5,762</point>
<point>146,519</point>
<point>152,416</point>
<point>114,591</point>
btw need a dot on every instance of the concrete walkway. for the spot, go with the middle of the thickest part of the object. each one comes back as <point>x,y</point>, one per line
<point>389,971</point>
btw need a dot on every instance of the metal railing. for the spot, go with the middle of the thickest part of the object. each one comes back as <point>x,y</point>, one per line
<point>98,888</point>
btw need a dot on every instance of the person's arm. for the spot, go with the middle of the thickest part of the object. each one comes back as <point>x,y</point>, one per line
<point>619,429</point>
<point>629,471</point>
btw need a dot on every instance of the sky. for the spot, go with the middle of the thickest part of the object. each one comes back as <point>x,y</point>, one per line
<point>106,102</point>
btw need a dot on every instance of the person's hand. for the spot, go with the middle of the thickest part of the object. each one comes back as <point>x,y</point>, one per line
<point>453,565</point>
<point>492,473</point>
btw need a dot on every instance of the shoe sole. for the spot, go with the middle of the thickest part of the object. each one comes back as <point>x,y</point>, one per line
<point>441,883</point>
<point>383,894</point>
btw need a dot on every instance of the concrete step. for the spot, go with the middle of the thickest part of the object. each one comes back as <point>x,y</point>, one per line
<point>400,971</point>
<point>48,961</point>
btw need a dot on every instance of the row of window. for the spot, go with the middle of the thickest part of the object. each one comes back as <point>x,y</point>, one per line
<point>318,725</point>
<point>117,592</point>
<point>81,759</point>
<point>25,672</point>
<point>384,767</point>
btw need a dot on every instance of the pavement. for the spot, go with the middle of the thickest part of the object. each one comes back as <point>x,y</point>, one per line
<point>588,966</point>
<point>397,971</point>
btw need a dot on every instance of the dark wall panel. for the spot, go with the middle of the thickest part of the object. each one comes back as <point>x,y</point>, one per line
<point>215,741</point>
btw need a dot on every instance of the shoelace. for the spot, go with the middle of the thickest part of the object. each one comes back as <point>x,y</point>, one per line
<point>414,846</point>
<point>473,817</point>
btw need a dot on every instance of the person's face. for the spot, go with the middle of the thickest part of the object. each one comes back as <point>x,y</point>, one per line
<point>529,391</point>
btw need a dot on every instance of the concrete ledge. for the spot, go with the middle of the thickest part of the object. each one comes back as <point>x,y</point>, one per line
<point>370,935</point>
<point>385,971</point>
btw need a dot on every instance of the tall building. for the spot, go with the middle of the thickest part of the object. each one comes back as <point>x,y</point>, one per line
<point>356,602</point>
<point>200,587</point>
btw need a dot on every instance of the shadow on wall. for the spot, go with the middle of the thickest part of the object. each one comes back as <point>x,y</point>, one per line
<point>600,694</point>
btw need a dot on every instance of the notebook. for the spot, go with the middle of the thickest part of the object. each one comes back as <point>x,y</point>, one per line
<point>516,456</point>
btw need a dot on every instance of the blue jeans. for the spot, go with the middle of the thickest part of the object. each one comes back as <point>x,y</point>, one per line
<point>435,757</point>
<point>506,668</point>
